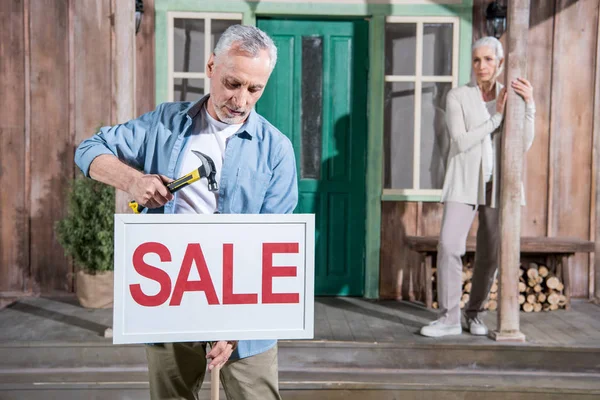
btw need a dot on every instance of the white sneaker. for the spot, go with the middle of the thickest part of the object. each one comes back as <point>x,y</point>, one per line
<point>439,329</point>
<point>477,327</point>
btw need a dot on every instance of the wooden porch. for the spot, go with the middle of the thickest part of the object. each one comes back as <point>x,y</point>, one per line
<point>362,349</point>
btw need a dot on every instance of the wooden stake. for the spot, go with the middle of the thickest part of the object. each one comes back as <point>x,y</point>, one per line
<point>214,383</point>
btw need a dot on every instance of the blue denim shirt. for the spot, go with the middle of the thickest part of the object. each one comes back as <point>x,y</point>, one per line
<point>258,174</point>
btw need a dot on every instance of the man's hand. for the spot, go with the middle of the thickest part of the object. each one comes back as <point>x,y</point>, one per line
<point>220,353</point>
<point>150,190</point>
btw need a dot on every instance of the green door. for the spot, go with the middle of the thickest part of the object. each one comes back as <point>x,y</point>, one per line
<point>317,96</point>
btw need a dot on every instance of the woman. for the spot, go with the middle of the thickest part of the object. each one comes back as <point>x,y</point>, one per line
<point>474,115</point>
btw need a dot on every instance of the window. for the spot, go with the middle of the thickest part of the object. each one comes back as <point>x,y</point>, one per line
<point>192,38</point>
<point>421,66</point>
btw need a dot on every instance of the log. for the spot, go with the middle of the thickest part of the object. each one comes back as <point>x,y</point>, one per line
<point>528,307</point>
<point>537,307</point>
<point>494,287</point>
<point>541,297</point>
<point>560,287</point>
<point>532,282</point>
<point>522,287</point>
<point>532,273</point>
<point>546,307</point>
<point>461,304</point>
<point>553,307</point>
<point>521,299</point>
<point>493,296</point>
<point>468,286</point>
<point>434,305</point>
<point>532,265</point>
<point>543,271</point>
<point>465,298</point>
<point>531,299</point>
<point>464,276</point>
<point>553,298</point>
<point>469,274</point>
<point>492,305</point>
<point>539,279</point>
<point>537,288</point>
<point>552,282</point>
<point>562,300</point>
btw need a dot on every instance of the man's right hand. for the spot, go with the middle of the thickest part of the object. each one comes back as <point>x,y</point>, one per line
<point>150,190</point>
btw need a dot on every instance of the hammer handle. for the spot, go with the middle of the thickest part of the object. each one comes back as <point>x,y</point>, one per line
<point>172,187</point>
<point>184,181</point>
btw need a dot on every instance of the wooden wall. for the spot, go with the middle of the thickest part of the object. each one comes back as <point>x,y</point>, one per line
<point>56,85</point>
<point>558,172</point>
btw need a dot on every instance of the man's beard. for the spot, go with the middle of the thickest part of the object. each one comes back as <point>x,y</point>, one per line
<point>231,120</point>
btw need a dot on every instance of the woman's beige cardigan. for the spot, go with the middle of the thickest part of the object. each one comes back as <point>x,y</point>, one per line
<point>469,125</point>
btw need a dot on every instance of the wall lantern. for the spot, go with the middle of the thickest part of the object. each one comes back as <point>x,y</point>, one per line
<point>139,11</point>
<point>495,16</point>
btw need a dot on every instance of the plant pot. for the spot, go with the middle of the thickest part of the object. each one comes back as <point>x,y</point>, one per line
<point>95,290</point>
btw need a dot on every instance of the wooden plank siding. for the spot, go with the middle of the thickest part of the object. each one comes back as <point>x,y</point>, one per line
<point>558,168</point>
<point>55,74</point>
<point>144,59</point>
<point>14,255</point>
<point>51,155</point>
<point>56,82</point>
<point>571,127</point>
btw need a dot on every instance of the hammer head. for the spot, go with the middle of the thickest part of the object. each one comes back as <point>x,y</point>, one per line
<point>207,170</point>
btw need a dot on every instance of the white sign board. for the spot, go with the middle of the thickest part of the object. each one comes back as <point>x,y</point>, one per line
<point>213,277</point>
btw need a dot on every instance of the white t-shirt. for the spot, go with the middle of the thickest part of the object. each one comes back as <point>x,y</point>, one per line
<point>488,146</point>
<point>209,136</point>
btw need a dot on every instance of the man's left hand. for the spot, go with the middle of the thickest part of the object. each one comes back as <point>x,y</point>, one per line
<point>220,353</point>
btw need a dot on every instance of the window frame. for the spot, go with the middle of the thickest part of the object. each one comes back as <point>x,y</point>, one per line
<point>418,79</point>
<point>208,17</point>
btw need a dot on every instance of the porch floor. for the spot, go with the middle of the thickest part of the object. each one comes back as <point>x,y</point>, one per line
<point>61,319</point>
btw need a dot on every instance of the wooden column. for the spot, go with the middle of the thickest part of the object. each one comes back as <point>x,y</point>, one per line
<point>123,73</point>
<point>511,171</point>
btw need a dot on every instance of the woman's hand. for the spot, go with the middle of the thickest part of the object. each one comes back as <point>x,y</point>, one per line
<point>501,101</point>
<point>524,89</point>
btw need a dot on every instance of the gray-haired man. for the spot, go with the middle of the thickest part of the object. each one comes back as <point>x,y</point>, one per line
<point>257,173</point>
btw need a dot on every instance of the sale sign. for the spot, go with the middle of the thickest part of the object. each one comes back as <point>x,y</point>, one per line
<point>190,277</point>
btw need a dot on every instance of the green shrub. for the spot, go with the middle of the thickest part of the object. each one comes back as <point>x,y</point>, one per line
<point>86,233</point>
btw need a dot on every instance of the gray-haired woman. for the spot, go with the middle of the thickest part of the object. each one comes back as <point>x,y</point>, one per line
<point>474,114</point>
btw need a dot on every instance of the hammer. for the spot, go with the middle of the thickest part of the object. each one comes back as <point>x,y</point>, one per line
<point>205,170</point>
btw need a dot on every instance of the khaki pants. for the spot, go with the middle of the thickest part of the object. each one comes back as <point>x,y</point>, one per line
<point>176,371</point>
<point>456,223</point>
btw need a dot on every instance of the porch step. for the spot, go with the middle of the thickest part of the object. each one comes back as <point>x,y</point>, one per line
<point>303,355</point>
<point>315,384</point>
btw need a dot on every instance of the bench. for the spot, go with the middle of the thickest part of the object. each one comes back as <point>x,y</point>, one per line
<point>557,250</point>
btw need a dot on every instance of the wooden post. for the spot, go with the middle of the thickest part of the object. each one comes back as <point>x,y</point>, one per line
<point>123,74</point>
<point>511,171</point>
<point>214,383</point>
<point>596,176</point>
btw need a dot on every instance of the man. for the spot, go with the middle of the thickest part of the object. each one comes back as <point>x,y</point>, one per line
<point>256,170</point>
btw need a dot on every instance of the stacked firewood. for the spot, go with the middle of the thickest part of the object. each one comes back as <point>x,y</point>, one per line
<point>539,289</point>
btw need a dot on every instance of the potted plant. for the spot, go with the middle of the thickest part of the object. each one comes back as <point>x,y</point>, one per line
<point>86,234</point>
